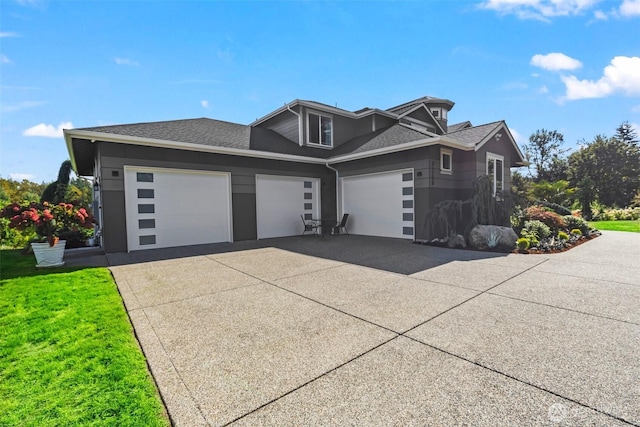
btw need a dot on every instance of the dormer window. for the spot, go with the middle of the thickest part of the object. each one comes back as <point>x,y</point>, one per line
<point>319,129</point>
<point>439,113</point>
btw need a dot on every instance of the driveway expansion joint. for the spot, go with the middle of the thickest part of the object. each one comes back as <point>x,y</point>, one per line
<point>563,308</point>
<point>495,371</point>
<point>471,298</point>
<point>324,374</point>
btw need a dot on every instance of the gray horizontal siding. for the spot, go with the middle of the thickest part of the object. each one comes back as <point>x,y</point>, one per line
<point>242,169</point>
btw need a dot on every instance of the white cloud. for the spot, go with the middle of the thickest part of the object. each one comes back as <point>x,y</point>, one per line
<point>4,34</point>
<point>630,8</point>
<point>22,176</point>
<point>204,103</point>
<point>600,15</point>
<point>125,61</point>
<point>621,76</point>
<point>543,89</point>
<point>555,61</point>
<point>4,59</point>
<point>539,9</point>
<point>48,131</point>
<point>20,106</point>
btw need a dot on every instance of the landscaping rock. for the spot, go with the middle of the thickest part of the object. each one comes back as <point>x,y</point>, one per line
<point>482,235</point>
<point>457,242</point>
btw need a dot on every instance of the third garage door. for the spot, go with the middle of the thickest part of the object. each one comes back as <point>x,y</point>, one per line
<point>380,204</point>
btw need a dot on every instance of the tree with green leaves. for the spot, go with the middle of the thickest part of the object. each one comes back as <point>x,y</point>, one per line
<point>545,154</point>
<point>559,192</point>
<point>612,166</point>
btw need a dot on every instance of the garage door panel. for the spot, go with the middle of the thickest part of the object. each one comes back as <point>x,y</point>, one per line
<point>280,200</point>
<point>379,204</point>
<point>169,207</point>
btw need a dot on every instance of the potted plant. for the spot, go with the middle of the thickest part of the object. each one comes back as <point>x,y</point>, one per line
<point>48,220</point>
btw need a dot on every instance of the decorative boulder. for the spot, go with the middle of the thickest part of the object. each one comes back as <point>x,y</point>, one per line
<point>493,236</point>
<point>457,242</point>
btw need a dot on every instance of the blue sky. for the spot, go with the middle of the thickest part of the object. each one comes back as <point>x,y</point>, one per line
<point>566,65</point>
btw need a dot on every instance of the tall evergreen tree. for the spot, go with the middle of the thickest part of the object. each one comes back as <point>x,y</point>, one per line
<point>56,192</point>
<point>625,132</point>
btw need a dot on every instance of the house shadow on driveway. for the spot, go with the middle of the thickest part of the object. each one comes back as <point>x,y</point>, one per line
<point>388,254</point>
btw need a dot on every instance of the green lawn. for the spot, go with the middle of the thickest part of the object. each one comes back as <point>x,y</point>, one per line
<point>633,226</point>
<point>68,356</point>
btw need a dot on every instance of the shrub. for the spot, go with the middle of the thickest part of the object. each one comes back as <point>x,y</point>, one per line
<point>574,222</point>
<point>559,209</point>
<point>576,232</point>
<point>554,221</point>
<point>536,227</point>
<point>563,236</point>
<point>522,243</point>
<point>613,214</point>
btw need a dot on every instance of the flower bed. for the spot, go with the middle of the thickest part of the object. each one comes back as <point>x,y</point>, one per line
<point>48,220</point>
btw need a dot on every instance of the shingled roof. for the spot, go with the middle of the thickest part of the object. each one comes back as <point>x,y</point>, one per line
<point>257,141</point>
<point>476,134</point>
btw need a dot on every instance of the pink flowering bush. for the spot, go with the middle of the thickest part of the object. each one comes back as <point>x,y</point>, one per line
<point>48,220</point>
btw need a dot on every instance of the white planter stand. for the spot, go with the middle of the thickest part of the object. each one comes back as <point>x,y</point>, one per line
<point>49,256</point>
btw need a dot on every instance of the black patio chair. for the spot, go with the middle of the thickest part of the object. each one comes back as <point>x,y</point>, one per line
<point>342,225</point>
<point>309,226</point>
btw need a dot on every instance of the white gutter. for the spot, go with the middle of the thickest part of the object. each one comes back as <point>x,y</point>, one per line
<point>134,140</point>
<point>72,157</point>
<point>400,147</point>
<point>150,142</point>
<point>300,142</point>
<point>325,108</point>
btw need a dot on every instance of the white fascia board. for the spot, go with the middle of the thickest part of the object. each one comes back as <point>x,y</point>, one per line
<point>69,143</point>
<point>417,107</point>
<point>325,108</point>
<point>159,143</point>
<point>511,138</point>
<point>438,139</point>
<point>274,113</point>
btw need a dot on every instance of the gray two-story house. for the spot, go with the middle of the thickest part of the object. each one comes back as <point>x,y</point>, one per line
<point>198,181</point>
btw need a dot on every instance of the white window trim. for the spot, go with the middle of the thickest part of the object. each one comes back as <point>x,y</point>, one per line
<point>493,156</point>
<point>321,114</point>
<point>443,152</point>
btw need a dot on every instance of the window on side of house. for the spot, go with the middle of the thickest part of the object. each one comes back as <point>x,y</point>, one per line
<point>495,172</point>
<point>446,161</point>
<point>319,129</point>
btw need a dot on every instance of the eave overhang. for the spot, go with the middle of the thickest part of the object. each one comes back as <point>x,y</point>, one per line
<point>325,108</point>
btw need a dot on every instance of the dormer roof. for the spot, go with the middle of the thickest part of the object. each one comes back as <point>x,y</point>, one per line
<point>427,100</point>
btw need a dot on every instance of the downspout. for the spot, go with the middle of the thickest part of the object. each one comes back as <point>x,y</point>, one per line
<point>337,190</point>
<point>300,143</point>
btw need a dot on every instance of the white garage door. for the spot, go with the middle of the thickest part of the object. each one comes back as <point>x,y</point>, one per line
<point>280,200</point>
<point>174,207</point>
<point>379,204</point>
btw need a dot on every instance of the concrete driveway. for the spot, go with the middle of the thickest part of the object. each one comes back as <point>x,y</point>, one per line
<point>354,330</point>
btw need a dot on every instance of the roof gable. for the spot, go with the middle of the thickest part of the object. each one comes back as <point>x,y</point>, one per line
<point>480,135</point>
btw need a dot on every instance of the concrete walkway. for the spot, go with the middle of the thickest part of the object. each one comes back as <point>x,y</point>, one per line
<point>369,331</point>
